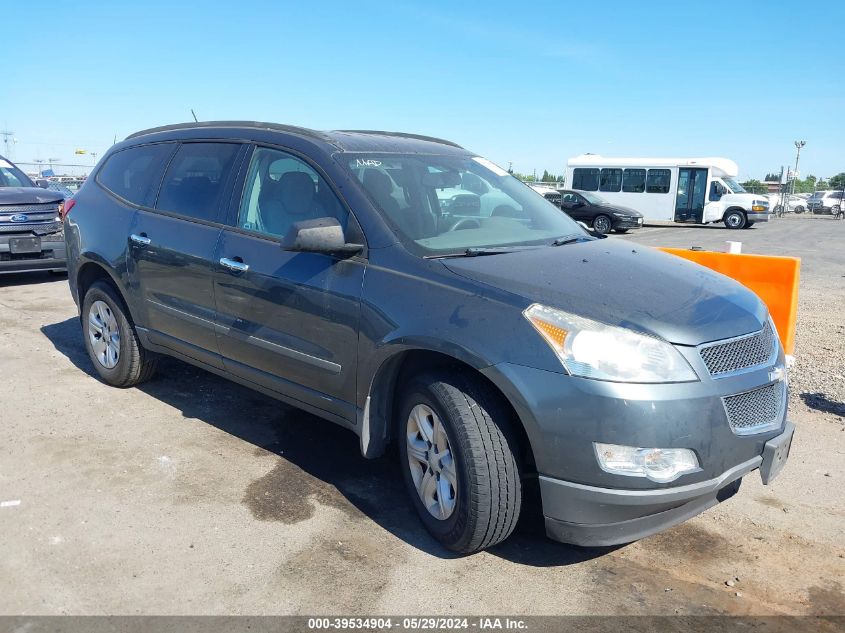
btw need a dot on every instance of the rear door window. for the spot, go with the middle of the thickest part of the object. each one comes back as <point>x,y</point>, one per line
<point>134,174</point>
<point>197,178</point>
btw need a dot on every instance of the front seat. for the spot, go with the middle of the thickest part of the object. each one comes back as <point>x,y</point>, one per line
<point>287,201</point>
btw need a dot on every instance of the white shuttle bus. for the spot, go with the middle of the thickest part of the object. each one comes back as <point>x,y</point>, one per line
<point>697,190</point>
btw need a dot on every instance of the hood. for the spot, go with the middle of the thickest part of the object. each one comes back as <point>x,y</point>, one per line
<point>619,283</point>
<point>615,207</point>
<point>28,195</point>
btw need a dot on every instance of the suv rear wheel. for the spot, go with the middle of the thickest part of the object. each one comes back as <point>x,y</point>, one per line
<point>458,458</point>
<point>111,340</point>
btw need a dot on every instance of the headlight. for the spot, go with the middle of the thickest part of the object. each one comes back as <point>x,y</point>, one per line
<point>618,215</point>
<point>591,349</point>
<point>657,464</point>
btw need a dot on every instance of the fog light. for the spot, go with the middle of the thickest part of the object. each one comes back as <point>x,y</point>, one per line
<point>657,464</point>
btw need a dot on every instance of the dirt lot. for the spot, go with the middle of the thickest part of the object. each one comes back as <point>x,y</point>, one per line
<point>193,495</point>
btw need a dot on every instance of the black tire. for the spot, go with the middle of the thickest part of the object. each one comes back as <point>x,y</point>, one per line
<point>799,209</point>
<point>748,225</point>
<point>135,364</point>
<point>489,491</point>
<point>602,224</point>
<point>735,219</point>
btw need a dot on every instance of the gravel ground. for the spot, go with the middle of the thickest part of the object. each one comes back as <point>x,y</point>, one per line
<point>191,495</point>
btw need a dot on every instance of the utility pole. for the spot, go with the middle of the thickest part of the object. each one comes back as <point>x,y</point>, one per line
<point>798,146</point>
<point>8,137</point>
<point>50,162</point>
<point>38,161</point>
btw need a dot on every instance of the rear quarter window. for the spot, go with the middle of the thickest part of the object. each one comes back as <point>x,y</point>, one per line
<point>134,174</point>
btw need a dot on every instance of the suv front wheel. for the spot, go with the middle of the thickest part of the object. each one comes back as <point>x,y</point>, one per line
<point>458,458</point>
<point>111,340</point>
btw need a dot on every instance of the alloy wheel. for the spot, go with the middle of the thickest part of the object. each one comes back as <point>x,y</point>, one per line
<point>431,462</point>
<point>104,334</point>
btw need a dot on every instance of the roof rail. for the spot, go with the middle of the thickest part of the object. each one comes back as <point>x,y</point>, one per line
<point>418,137</point>
<point>302,131</point>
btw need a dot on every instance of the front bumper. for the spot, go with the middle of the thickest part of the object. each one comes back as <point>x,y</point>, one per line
<point>758,217</point>
<point>628,223</point>
<point>52,255</point>
<point>564,415</point>
<point>591,516</point>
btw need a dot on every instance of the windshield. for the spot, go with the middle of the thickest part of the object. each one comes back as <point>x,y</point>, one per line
<point>448,204</point>
<point>11,176</point>
<point>593,198</point>
<point>734,186</point>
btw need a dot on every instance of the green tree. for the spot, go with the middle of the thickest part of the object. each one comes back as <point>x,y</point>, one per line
<point>754,186</point>
<point>838,181</point>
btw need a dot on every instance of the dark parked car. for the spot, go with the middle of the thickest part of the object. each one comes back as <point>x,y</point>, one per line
<point>30,227</point>
<point>595,211</point>
<point>323,269</point>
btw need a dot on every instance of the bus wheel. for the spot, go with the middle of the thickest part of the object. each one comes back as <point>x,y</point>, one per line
<point>735,219</point>
<point>601,224</point>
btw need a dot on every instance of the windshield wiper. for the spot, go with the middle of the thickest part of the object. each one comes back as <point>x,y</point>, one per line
<point>476,252</point>
<point>568,239</point>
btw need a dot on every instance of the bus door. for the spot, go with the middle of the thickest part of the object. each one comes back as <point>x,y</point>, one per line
<point>692,193</point>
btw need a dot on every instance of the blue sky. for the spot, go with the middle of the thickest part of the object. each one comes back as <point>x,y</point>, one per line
<point>527,83</point>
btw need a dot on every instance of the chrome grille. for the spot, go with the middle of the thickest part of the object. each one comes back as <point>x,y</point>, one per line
<point>743,352</point>
<point>757,410</point>
<point>28,209</point>
<point>26,227</point>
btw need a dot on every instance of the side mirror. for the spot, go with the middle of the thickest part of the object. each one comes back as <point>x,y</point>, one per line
<point>323,235</point>
<point>43,183</point>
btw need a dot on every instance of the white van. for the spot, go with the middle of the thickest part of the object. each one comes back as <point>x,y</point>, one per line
<point>699,190</point>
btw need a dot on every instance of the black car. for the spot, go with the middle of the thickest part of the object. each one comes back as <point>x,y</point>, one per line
<point>30,225</point>
<point>418,294</point>
<point>598,213</point>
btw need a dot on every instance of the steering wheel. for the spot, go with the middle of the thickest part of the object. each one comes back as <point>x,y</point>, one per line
<point>465,223</point>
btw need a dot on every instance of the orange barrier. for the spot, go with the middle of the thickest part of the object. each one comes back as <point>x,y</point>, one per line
<point>774,279</point>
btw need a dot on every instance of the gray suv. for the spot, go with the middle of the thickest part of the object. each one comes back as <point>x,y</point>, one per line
<point>499,345</point>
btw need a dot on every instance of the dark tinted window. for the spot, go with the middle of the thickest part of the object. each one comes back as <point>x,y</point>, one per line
<point>611,180</point>
<point>634,181</point>
<point>658,181</point>
<point>134,174</point>
<point>196,179</point>
<point>585,179</point>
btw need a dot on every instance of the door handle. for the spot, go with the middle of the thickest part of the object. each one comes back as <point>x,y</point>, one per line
<point>140,240</point>
<point>234,265</point>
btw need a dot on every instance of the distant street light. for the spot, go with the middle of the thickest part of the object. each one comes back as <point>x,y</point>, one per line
<point>798,146</point>
<point>50,162</point>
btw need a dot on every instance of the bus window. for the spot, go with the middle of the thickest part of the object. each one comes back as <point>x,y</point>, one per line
<point>585,179</point>
<point>634,181</point>
<point>611,180</point>
<point>658,181</point>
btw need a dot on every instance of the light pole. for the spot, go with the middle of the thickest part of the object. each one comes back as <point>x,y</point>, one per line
<point>798,146</point>
<point>38,161</point>
<point>50,162</point>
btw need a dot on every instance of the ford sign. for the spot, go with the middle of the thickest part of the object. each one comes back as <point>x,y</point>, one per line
<point>20,217</point>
